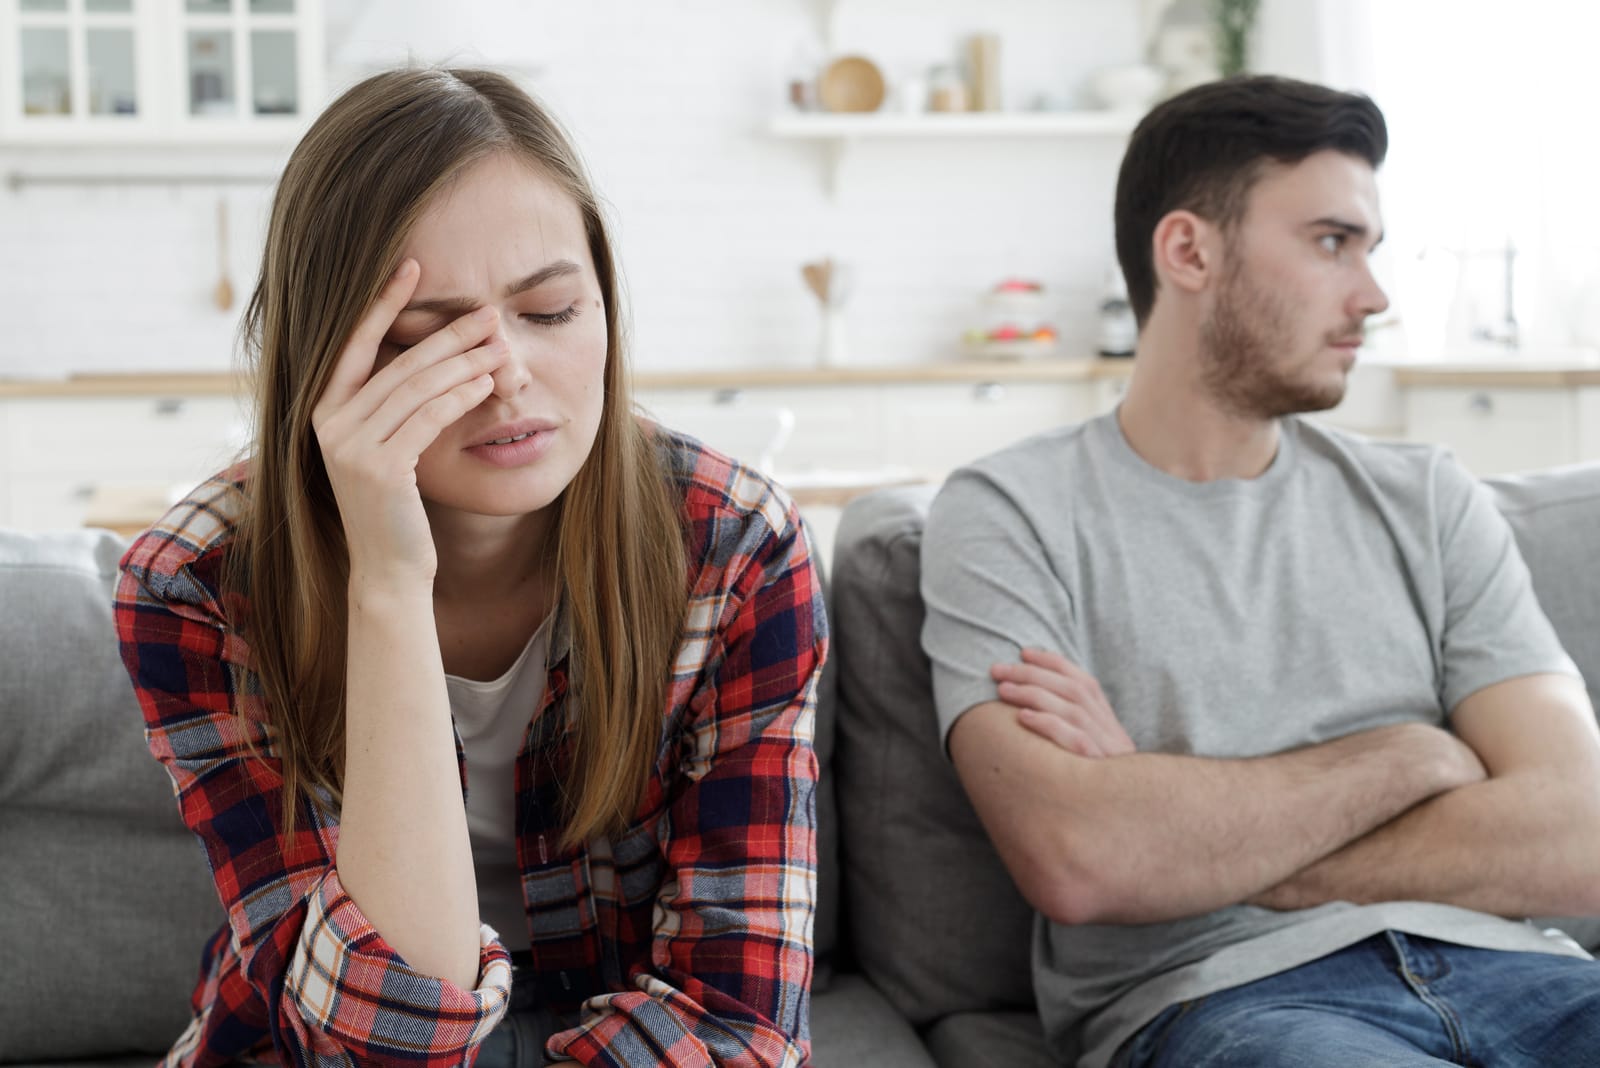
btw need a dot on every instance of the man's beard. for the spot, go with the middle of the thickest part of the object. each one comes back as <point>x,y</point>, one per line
<point>1241,344</point>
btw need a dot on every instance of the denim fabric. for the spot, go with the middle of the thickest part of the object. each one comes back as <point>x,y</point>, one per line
<point>518,1040</point>
<point>1394,1001</point>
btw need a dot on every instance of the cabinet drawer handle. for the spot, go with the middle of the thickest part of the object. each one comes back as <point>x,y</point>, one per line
<point>988,392</point>
<point>168,407</point>
<point>1480,404</point>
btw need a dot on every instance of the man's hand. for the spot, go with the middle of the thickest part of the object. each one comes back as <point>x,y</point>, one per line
<point>1515,837</point>
<point>1063,703</point>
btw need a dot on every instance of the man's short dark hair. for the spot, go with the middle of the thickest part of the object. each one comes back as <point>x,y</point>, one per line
<point>1204,149</point>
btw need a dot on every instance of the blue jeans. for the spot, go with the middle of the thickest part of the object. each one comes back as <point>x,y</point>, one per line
<point>1393,1001</point>
<point>518,1039</point>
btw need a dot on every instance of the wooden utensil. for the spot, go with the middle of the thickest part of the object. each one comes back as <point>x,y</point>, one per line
<point>817,277</point>
<point>224,291</point>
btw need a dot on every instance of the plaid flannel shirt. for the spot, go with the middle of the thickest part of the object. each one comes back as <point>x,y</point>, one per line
<point>684,940</point>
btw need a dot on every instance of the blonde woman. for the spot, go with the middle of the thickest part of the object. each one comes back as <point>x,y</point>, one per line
<point>489,701</point>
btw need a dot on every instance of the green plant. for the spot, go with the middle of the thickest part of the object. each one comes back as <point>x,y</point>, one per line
<point>1234,20</point>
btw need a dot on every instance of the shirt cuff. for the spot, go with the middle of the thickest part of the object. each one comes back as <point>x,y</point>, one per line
<point>354,992</point>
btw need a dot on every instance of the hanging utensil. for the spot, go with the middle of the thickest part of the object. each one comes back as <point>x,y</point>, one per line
<point>224,291</point>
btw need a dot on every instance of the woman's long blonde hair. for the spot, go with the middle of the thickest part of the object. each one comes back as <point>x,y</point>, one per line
<point>355,186</point>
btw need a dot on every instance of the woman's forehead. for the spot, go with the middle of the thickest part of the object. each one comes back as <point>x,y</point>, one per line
<point>501,220</point>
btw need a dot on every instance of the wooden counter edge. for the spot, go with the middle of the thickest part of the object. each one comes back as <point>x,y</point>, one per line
<point>969,371</point>
<point>1493,378</point>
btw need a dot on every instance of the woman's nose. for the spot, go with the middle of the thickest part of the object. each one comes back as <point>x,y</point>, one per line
<point>512,376</point>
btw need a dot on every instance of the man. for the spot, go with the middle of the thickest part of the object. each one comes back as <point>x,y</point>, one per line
<point>1263,717</point>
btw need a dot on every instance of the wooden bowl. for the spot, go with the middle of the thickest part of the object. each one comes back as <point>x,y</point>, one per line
<point>851,83</point>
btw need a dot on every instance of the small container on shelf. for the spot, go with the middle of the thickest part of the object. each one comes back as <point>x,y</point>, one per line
<point>947,90</point>
<point>1014,324</point>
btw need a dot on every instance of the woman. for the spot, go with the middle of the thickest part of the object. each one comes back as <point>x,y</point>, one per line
<point>454,557</point>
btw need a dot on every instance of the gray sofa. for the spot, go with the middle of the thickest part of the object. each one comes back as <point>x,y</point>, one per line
<point>922,940</point>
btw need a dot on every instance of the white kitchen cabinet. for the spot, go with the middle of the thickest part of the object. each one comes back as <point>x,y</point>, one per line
<point>933,429</point>
<point>1589,423</point>
<point>121,71</point>
<point>46,503</point>
<point>833,427</point>
<point>1497,430</point>
<point>55,452</point>
<point>1107,393</point>
<point>889,427</point>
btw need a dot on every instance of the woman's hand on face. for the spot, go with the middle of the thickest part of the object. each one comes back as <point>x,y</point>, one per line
<point>372,428</point>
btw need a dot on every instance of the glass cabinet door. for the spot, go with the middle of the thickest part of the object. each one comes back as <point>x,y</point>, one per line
<point>76,61</point>
<point>241,58</point>
<point>235,71</point>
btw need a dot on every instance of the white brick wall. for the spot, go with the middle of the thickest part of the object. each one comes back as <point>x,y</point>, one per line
<point>669,100</point>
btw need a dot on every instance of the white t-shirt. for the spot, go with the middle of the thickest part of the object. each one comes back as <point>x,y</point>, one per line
<point>492,718</point>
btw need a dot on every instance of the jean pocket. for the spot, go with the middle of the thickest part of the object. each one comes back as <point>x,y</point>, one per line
<point>1146,1044</point>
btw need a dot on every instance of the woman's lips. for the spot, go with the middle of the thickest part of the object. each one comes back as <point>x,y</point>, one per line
<point>525,446</point>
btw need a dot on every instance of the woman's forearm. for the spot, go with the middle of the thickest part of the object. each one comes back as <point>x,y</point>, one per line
<point>403,853</point>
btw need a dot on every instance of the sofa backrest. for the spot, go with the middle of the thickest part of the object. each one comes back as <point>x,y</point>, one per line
<point>105,900</point>
<point>936,922</point>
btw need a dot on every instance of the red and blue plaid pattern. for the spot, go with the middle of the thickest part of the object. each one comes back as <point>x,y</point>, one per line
<point>684,940</point>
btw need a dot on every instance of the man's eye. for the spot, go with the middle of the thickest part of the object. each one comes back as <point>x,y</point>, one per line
<point>555,319</point>
<point>1331,242</point>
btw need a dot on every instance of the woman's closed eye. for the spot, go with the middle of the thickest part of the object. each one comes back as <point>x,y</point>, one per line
<point>566,315</point>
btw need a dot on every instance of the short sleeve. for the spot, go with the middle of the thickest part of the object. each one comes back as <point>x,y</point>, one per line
<point>1494,629</point>
<point>990,589</point>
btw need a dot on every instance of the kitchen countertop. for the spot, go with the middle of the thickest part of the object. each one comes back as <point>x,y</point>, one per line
<point>1480,375</point>
<point>223,384</point>
<point>1497,376</point>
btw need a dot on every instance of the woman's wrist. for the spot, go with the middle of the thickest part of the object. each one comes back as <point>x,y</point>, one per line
<point>384,591</point>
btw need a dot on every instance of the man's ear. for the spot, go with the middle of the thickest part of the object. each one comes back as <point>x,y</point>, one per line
<point>1186,251</point>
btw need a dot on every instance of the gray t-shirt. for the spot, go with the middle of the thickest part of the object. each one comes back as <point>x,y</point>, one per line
<point>1352,585</point>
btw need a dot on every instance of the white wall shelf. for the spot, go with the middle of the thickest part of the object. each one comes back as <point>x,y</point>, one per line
<point>836,133</point>
<point>813,125</point>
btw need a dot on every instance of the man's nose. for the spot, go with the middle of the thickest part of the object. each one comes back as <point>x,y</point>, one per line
<point>1370,299</point>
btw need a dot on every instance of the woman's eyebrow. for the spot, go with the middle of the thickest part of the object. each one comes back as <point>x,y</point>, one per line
<point>453,306</point>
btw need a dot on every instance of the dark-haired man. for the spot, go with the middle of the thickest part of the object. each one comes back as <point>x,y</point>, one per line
<point>1264,718</point>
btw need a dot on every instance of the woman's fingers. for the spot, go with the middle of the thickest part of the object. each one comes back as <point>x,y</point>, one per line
<point>411,394</point>
<point>354,366</point>
<point>423,426</point>
<point>465,332</point>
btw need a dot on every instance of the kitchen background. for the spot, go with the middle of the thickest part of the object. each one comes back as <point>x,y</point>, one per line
<point>117,231</point>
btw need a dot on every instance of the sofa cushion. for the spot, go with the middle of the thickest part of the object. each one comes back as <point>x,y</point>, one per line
<point>852,1025</point>
<point>1014,1039</point>
<point>825,932</point>
<point>107,896</point>
<point>825,937</point>
<point>934,919</point>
